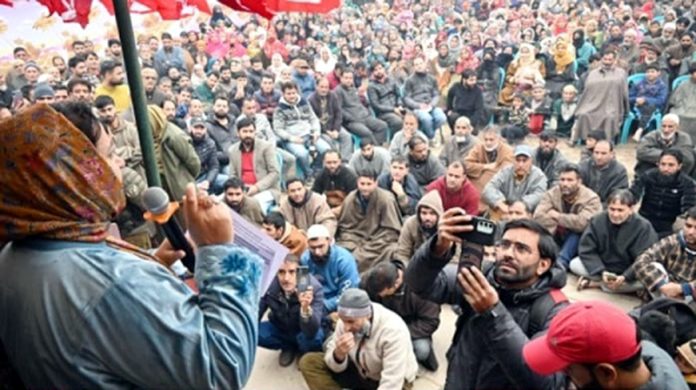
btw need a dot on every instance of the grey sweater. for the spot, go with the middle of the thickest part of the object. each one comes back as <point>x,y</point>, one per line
<point>503,186</point>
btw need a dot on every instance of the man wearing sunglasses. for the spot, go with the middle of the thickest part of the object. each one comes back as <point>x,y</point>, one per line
<point>503,305</point>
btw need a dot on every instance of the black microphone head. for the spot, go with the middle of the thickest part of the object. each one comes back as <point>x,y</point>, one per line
<point>155,200</point>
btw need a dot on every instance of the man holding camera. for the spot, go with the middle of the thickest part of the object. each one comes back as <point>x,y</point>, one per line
<point>295,301</point>
<point>504,306</point>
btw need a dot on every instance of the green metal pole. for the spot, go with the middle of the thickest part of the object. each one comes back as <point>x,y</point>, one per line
<point>137,92</point>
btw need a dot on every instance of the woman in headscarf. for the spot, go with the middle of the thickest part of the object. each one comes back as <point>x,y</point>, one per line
<point>467,60</point>
<point>325,62</point>
<point>583,51</point>
<point>277,64</point>
<point>176,158</point>
<point>488,76</point>
<point>218,41</point>
<point>442,67</point>
<point>559,69</point>
<point>523,72</point>
<point>97,309</point>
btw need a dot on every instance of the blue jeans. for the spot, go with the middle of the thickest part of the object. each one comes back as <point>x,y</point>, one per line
<point>431,120</point>
<point>569,249</point>
<point>301,153</point>
<point>273,338</point>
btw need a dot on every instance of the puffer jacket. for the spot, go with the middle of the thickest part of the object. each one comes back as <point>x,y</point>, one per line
<point>486,350</point>
<point>419,89</point>
<point>664,198</point>
<point>207,154</point>
<point>295,120</point>
<point>383,97</point>
<point>352,108</point>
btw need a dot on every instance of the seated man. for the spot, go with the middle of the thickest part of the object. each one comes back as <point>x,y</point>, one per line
<point>646,96</point>
<point>487,158</point>
<point>521,181</point>
<point>603,174</point>
<point>503,307</point>
<point>333,266</point>
<point>298,128</point>
<point>335,181</point>
<point>667,192</point>
<point>458,146</point>
<point>384,97</point>
<point>210,178</point>
<point>371,157</point>
<point>244,205</point>
<point>285,233</point>
<point>548,158</point>
<point>466,99</point>
<point>424,166</point>
<point>667,137</point>
<point>356,117</point>
<point>387,360</point>
<point>421,95</point>
<point>419,228</point>
<point>667,268</point>
<point>612,242</point>
<point>401,184</point>
<point>599,347</point>
<point>326,106</point>
<point>565,211</point>
<point>254,161</point>
<point>399,143</point>
<point>681,103</point>
<point>294,316</point>
<point>369,223</point>
<point>385,285</point>
<point>267,97</point>
<point>456,190</point>
<point>303,208</point>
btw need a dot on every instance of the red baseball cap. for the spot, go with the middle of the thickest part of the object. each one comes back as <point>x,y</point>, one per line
<point>584,332</point>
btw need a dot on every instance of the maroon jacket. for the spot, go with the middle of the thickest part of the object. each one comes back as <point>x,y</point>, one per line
<point>467,197</point>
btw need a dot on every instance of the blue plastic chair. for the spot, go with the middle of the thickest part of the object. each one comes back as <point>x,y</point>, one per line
<point>655,120</point>
<point>677,82</point>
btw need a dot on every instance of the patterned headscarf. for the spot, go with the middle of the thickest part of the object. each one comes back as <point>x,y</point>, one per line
<point>53,182</point>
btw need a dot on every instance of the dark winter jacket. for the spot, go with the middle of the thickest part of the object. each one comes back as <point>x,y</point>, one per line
<point>285,310</point>
<point>351,106</point>
<point>467,102</point>
<point>383,97</point>
<point>664,198</point>
<point>486,351</point>
<point>421,89</point>
<point>421,316</point>
<point>331,119</point>
<point>224,137</point>
<point>207,153</point>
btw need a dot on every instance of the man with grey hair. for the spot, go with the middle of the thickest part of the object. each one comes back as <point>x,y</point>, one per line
<point>370,349</point>
<point>668,137</point>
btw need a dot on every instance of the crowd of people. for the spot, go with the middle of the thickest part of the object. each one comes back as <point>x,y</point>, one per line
<point>364,141</point>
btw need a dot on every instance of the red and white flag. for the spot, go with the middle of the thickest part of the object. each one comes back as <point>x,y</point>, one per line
<point>307,6</point>
<point>259,7</point>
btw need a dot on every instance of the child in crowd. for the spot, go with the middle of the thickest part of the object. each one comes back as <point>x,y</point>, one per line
<point>519,112</point>
<point>563,111</point>
<point>590,142</point>
<point>540,107</point>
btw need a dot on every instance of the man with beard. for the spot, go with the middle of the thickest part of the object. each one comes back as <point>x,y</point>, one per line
<point>611,244</point>
<point>78,67</point>
<point>548,158</point>
<point>604,101</point>
<point>209,178</point>
<point>603,173</point>
<point>615,38</point>
<point>466,99</point>
<point>222,129</point>
<point>335,181</point>
<point>683,103</point>
<point>456,190</point>
<point>244,205</point>
<point>332,265</point>
<point>125,134</point>
<point>458,146</point>
<point>225,84</point>
<point>667,39</point>
<point>327,108</point>
<point>369,223</point>
<point>667,137</point>
<point>255,73</point>
<point>650,55</point>
<point>254,162</point>
<point>667,192</point>
<point>385,285</point>
<point>667,268</point>
<point>599,347</point>
<point>370,349</point>
<point>357,119</point>
<point>152,94</point>
<point>112,85</point>
<point>80,90</point>
<point>421,95</point>
<point>679,52</point>
<point>565,211</point>
<point>288,235</point>
<point>628,50</point>
<point>503,306</point>
<point>267,97</point>
<point>384,97</point>
<point>168,55</point>
<point>294,316</point>
<point>371,157</point>
<point>521,181</point>
<point>204,92</point>
<point>424,166</point>
<point>401,184</point>
<point>418,228</point>
<point>304,208</point>
<point>487,158</point>
<point>399,143</point>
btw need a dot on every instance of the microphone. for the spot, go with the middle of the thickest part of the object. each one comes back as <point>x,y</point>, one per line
<point>161,211</point>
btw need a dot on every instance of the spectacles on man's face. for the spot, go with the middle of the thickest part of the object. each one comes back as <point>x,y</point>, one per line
<point>521,249</point>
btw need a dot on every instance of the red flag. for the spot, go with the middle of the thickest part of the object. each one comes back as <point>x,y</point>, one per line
<point>308,6</point>
<point>70,10</point>
<point>6,2</point>
<point>259,7</point>
<point>168,9</point>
